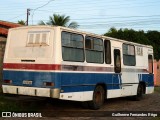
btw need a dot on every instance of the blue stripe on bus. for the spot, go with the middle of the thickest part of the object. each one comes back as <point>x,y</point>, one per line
<point>148,79</point>
<point>68,82</point>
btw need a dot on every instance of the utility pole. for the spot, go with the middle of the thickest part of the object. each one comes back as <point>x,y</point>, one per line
<point>28,13</point>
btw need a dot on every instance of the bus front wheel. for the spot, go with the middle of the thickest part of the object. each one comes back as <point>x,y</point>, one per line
<point>98,98</point>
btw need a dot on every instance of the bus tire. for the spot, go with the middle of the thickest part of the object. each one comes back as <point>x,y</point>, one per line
<point>98,98</point>
<point>140,92</point>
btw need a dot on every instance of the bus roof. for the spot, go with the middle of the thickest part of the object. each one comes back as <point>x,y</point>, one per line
<point>81,32</point>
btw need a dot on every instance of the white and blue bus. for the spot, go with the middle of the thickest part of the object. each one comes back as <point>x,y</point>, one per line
<point>69,64</point>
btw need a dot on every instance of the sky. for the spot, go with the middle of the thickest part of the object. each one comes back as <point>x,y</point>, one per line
<point>96,16</point>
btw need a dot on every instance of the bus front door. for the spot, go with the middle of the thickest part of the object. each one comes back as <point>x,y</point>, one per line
<point>117,68</point>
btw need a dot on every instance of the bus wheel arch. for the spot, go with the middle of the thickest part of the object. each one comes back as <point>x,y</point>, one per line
<point>99,95</point>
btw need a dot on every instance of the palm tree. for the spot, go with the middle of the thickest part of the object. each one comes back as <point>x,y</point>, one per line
<point>60,20</point>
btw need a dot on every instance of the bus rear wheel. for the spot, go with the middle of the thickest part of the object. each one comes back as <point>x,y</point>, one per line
<point>98,98</point>
<point>140,91</point>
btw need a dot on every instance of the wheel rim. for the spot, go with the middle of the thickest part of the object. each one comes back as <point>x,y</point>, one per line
<point>99,96</point>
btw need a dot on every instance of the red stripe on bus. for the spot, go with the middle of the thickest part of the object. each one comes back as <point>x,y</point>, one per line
<point>66,67</point>
<point>56,67</point>
<point>32,66</point>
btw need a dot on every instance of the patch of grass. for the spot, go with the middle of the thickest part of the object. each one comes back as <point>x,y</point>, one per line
<point>157,89</point>
<point>10,105</point>
<point>0,89</point>
<point>155,118</point>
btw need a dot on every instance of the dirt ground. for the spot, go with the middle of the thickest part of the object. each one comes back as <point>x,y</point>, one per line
<point>71,110</point>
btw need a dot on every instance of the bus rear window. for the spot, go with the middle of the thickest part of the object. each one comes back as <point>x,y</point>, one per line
<point>38,38</point>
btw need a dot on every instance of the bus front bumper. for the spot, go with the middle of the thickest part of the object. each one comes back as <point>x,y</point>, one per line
<point>31,91</point>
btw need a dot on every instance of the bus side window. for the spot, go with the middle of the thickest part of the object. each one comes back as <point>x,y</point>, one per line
<point>150,63</point>
<point>107,45</point>
<point>117,61</point>
<point>94,50</point>
<point>129,56</point>
<point>72,47</point>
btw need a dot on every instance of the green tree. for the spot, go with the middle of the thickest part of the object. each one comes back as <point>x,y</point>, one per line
<point>112,33</point>
<point>154,37</point>
<point>128,34</point>
<point>148,38</point>
<point>22,22</point>
<point>60,20</point>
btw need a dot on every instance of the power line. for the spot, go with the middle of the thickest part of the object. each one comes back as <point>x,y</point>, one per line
<point>115,17</point>
<point>106,6</point>
<point>91,9</point>
<point>95,3</point>
<point>16,17</point>
<point>91,18</point>
<point>62,2</point>
<point>40,7</point>
<point>121,23</point>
